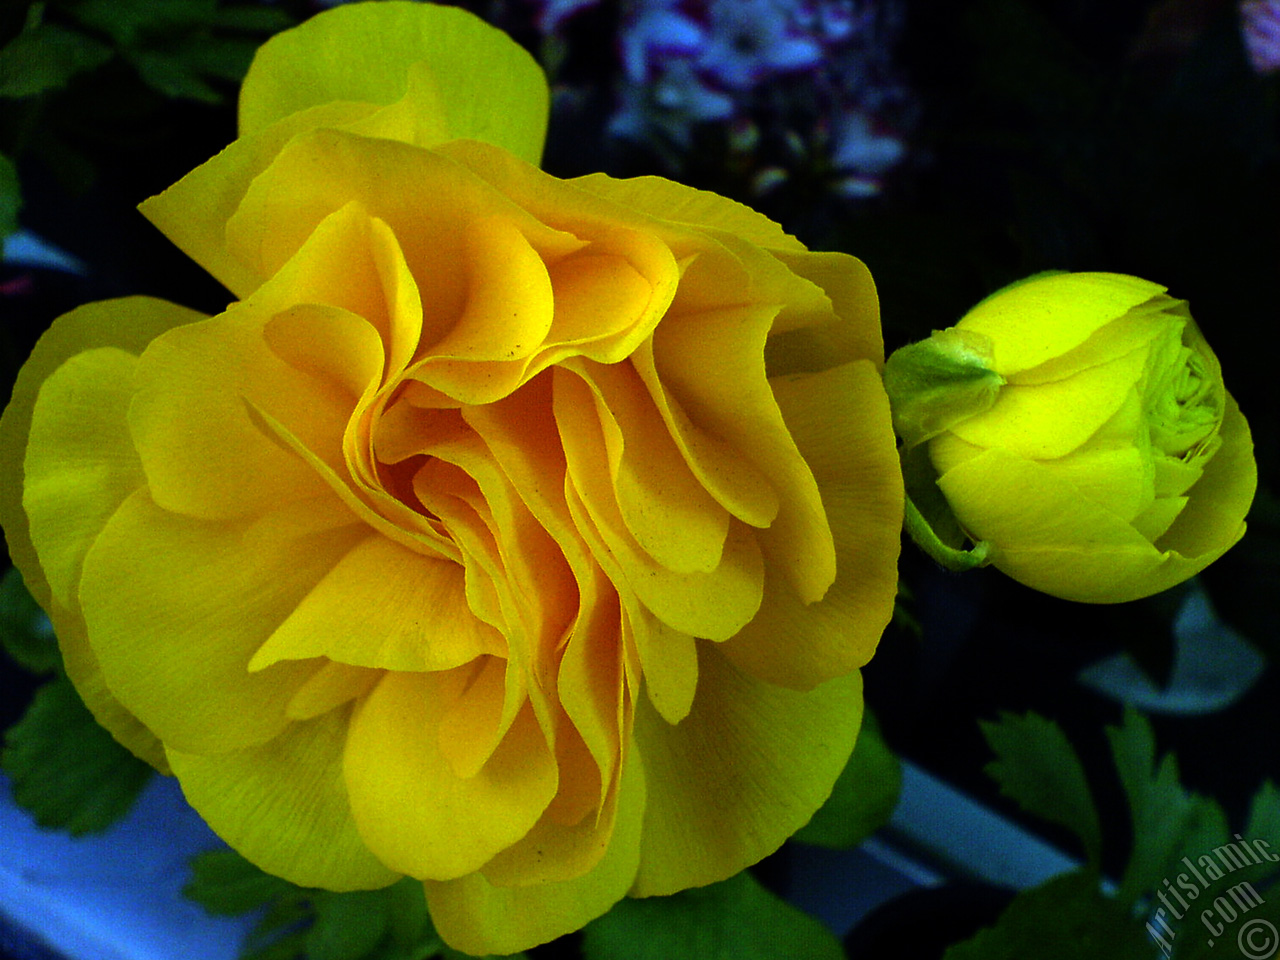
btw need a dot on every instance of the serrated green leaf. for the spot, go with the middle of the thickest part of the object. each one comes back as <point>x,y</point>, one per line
<point>734,920</point>
<point>67,771</point>
<point>10,197</point>
<point>45,57</point>
<point>25,631</point>
<point>1166,818</point>
<point>864,795</point>
<point>226,884</point>
<point>1065,919</point>
<point>1037,767</point>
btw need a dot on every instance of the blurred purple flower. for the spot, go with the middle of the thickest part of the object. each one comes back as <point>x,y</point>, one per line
<point>1260,23</point>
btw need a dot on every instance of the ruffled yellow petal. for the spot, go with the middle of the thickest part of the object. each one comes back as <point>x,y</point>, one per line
<point>193,421</point>
<point>521,435</point>
<point>1045,317</point>
<point>840,422</point>
<point>574,832</point>
<point>175,608</point>
<point>385,607</point>
<point>413,810</point>
<point>740,774</point>
<point>283,806</point>
<point>477,917</point>
<point>668,660</point>
<point>664,507</point>
<point>320,172</point>
<point>710,365</point>
<point>488,87</point>
<point>678,599</point>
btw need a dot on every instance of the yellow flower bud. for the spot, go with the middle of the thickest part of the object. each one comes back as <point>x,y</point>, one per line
<point>1112,463</point>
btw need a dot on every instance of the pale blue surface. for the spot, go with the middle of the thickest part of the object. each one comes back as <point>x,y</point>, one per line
<point>116,895</point>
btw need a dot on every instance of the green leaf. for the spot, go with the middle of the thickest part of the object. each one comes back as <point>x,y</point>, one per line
<point>1067,918</point>
<point>348,926</point>
<point>1037,767</point>
<point>67,771</point>
<point>734,920</point>
<point>1167,819</point>
<point>387,924</point>
<point>133,22</point>
<point>167,72</point>
<point>864,796</point>
<point>226,884</point>
<point>252,19</point>
<point>25,632</point>
<point>1234,918</point>
<point>1264,815</point>
<point>45,56</point>
<point>10,197</point>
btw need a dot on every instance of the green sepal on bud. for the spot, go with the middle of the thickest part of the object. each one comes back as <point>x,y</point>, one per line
<point>933,385</point>
<point>936,383</point>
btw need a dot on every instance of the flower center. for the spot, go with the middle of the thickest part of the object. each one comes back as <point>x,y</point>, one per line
<point>1185,410</point>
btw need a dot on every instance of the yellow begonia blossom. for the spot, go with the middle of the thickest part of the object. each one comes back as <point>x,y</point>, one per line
<point>519,535</point>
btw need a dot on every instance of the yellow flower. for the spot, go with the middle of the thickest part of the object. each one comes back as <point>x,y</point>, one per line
<point>519,535</point>
<point>1084,433</point>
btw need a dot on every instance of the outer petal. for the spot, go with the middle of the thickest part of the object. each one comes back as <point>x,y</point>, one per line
<point>175,607</point>
<point>489,87</point>
<point>1213,519</point>
<point>129,324</point>
<point>852,334</point>
<point>193,213</point>
<point>80,463</point>
<point>283,805</point>
<point>671,201</point>
<point>840,421</point>
<point>1050,420</point>
<point>1043,318</point>
<point>740,774</point>
<point>479,918</point>
<point>1054,540</point>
